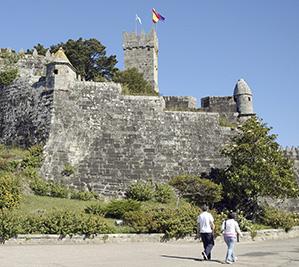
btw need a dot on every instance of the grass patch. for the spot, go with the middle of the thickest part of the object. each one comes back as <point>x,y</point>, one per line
<point>33,204</point>
<point>12,153</point>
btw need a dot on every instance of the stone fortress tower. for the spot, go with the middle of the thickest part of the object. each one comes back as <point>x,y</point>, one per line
<point>141,52</point>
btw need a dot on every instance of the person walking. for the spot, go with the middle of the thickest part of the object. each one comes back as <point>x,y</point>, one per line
<point>231,231</point>
<point>205,227</point>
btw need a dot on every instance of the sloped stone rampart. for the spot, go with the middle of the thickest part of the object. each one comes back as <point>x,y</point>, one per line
<point>25,112</point>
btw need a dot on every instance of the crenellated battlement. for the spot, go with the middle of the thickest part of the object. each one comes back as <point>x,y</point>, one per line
<point>131,40</point>
<point>27,64</point>
<point>292,152</point>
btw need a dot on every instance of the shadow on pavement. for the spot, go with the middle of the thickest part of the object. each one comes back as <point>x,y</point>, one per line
<point>258,254</point>
<point>189,258</point>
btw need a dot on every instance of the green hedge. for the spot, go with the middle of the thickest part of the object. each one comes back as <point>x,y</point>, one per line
<point>278,219</point>
<point>173,222</point>
<point>114,209</point>
<point>58,222</point>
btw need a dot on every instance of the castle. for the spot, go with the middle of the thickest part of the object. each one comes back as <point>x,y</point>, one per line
<point>111,139</point>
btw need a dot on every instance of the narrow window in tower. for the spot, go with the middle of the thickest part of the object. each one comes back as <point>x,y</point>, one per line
<point>55,71</point>
<point>249,99</point>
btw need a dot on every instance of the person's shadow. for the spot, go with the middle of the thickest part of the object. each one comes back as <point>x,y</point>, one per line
<point>190,258</point>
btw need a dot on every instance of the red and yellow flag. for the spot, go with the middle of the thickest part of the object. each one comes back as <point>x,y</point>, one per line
<point>157,16</point>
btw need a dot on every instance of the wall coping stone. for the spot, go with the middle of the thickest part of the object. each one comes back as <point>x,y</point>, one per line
<point>37,239</point>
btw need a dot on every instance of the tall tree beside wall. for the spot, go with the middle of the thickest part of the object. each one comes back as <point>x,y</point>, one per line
<point>258,168</point>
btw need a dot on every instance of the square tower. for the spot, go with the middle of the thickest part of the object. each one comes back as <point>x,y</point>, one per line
<point>141,52</point>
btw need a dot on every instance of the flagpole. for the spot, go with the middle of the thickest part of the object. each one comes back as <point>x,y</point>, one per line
<point>135,26</point>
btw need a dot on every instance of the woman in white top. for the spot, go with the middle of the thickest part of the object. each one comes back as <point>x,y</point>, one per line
<point>230,229</point>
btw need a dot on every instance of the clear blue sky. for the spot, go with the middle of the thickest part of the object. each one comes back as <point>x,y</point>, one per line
<point>205,45</point>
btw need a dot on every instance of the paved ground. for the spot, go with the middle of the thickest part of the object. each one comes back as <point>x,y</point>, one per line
<point>264,253</point>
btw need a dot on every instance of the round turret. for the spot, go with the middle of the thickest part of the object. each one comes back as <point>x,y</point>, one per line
<point>243,98</point>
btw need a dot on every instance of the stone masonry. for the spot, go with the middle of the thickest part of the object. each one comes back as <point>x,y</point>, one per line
<point>108,138</point>
<point>112,140</point>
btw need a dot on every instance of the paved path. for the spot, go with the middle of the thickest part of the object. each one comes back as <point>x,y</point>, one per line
<point>263,253</point>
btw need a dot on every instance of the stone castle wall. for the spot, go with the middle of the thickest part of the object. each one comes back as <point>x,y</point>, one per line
<point>224,105</point>
<point>25,112</point>
<point>293,153</point>
<point>180,102</point>
<point>111,139</point>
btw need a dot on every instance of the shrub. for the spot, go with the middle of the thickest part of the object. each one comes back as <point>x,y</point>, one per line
<point>9,57</point>
<point>43,188</point>
<point>9,190</point>
<point>141,191</point>
<point>34,157</point>
<point>133,82</point>
<point>8,76</point>
<point>141,221</point>
<point>92,225</point>
<point>83,195</point>
<point>65,223</point>
<point>163,193</point>
<point>40,187</point>
<point>97,209</point>
<point>10,159</point>
<point>53,189</point>
<point>8,165</point>
<point>218,220</point>
<point>61,222</point>
<point>117,208</point>
<point>173,222</point>
<point>8,225</point>
<point>68,170</point>
<point>224,121</point>
<point>196,189</point>
<point>277,218</point>
<point>58,190</point>
<point>32,223</point>
<point>182,224</point>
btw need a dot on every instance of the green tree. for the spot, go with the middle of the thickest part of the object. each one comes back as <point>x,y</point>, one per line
<point>196,189</point>
<point>41,50</point>
<point>258,168</point>
<point>133,82</point>
<point>89,58</point>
